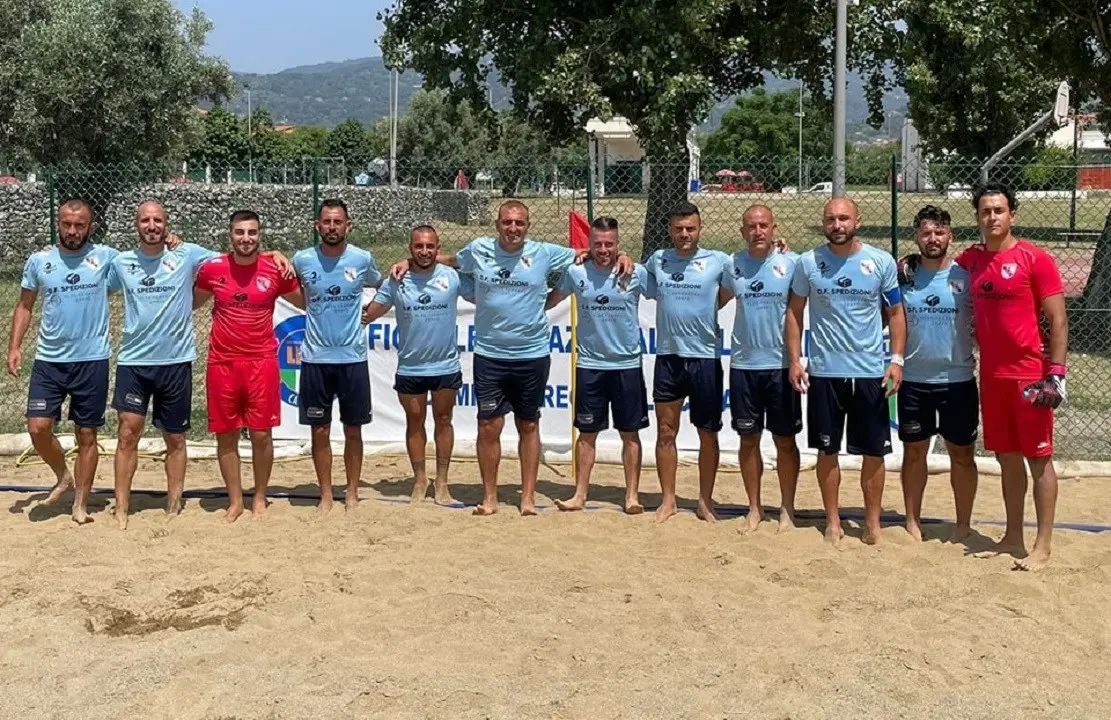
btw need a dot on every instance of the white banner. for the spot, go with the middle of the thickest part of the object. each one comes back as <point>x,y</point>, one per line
<point>388,426</point>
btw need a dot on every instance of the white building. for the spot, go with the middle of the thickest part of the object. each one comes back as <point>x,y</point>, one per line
<point>617,163</point>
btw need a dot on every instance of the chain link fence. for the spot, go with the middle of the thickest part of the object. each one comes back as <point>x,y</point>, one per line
<point>1063,208</point>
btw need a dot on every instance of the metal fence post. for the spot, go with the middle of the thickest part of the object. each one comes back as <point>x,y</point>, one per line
<point>894,182</point>
<point>589,192</point>
<point>315,199</point>
<point>52,192</point>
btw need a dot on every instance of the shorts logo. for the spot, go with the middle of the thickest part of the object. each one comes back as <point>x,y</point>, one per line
<point>933,300</point>
<point>314,412</point>
<point>887,446</point>
<point>756,286</point>
<point>148,281</point>
<point>956,286</point>
<point>334,290</point>
<point>262,283</point>
<point>825,440</point>
<point>488,405</point>
<point>867,267</point>
<point>1043,445</point>
<point>36,405</point>
<point>504,273</point>
<point>912,428</point>
<point>1008,270</point>
<point>780,271</point>
<point>586,418</point>
<point>241,297</point>
<point>73,278</point>
<point>677,277</point>
<point>92,262</point>
<point>746,424</point>
<point>602,300</point>
<point>844,282</point>
<point>133,399</point>
<point>290,333</point>
<point>350,274</point>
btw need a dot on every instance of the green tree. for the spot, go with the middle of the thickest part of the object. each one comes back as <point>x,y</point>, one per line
<point>222,142</point>
<point>351,141</point>
<point>766,125</point>
<point>439,136</point>
<point>660,65</point>
<point>102,81</point>
<point>262,140</point>
<point>306,141</point>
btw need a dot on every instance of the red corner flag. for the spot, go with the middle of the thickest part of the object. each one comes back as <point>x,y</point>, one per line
<point>579,234</point>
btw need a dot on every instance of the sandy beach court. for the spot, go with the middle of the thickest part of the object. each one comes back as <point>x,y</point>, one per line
<point>395,611</point>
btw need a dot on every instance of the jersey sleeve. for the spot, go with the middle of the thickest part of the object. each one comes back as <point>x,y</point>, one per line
<point>465,258</point>
<point>205,275</point>
<point>726,279</point>
<point>31,273</point>
<point>651,289</point>
<point>566,283</point>
<point>373,276</point>
<point>640,276</point>
<point>800,284</point>
<point>113,279</point>
<point>388,291</point>
<point>466,288</point>
<point>288,285</point>
<point>199,255</point>
<point>1045,278</point>
<point>889,282</point>
<point>559,258</point>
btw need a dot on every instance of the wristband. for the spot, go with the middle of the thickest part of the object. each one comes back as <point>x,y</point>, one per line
<point>1058,369</point>
<point>898,359</point>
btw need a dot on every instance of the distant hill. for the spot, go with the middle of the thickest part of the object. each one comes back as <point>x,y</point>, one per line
<point>329,93</point>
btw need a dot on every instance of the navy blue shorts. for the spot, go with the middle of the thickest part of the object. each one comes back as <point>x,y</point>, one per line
<point>86,384</point>
<point>700,379</point>
<point>505,386</point>
<point>170,386</point>
<point>424,384</point>
<point>764,398</point>
<point>951,409</point>
<point>323,383</point>
<point>860,401</point>
<point>598,392</point>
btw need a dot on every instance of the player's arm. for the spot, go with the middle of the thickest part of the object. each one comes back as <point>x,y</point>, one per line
<point>555,297</point>
<point>1054,309</point>
<point>373,311</point>
<point>21,320</point>
<point>724,296</point>
<point>397,272</point>
<point>200,297</point>
<point>896,318</point>
<point>792,337</point>
<point>296,298</point>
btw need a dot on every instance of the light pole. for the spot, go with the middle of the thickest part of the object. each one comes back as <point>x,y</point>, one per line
<point>840,61</point>
<point>800,115</point>
<point>394,81</point>
<point>250,138</point>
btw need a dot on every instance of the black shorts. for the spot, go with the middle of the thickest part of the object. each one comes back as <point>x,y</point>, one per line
<point>505,386</point>
<point>861,401</point>
<point>86,384</point>
<point>423,384</point>
<point>700,379</point>
<point>951,409</point>
<point>599,392</point>
<point>322,383</point>
<point>170,386</point>
<point>759,398</point>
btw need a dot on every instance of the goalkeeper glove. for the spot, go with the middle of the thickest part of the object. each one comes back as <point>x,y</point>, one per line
<point>1050,392</point>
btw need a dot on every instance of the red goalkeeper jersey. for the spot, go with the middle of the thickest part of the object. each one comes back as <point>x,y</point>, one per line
<point>243,299</point>
<point>1007,292</point>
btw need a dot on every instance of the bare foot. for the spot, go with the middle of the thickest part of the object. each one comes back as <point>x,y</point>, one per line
<point>121,519</point>
<point>786,519</point>
<point>633,506</point>
<point>873,535</point>
<point>1014,548</point>
<point>351,501</point>
<point>80,515</point>
<point>173,507</point>
<point>574,504</point>
<point>1036,560</point>
<point>960,532</point>
<point>420,489</point>
<point>233,513</point>
<point>706,512</point>
<point>752,522</point>
<point>528,510</point>
<point>323,507</point>
<point>914,529</point>
<point>485,510</point>
<point>833,534</point>
<point>59,489</point>
<point>258,507</point>
<point>443,495</point>
<point>665,511</point>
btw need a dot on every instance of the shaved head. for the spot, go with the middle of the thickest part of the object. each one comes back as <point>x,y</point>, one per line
<point>842,204</point>
<point>758,209</point>
<point>150,206</point>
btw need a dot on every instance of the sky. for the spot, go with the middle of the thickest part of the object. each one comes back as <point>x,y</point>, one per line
<point>265,36</point>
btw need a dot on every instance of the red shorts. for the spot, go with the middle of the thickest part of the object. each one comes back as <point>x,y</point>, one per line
<point>1011,423</point>
<point>243,393</point>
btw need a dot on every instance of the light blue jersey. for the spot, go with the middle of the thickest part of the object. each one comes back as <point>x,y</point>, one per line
<point>333,290</point>
<point>608,332</point>
<point>425,307</point>
<point>73,290</point>
<point>686,293</point>
<point>157,304</point>
<point>510,291</point>
<point>846,296</point>
<point>761,286</point>
<point>939,326</point>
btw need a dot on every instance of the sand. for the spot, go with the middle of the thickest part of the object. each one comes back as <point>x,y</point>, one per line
<point>411,612</point>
